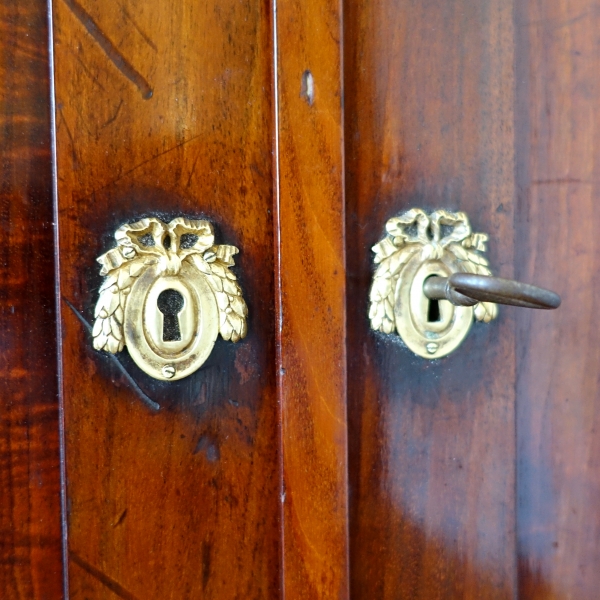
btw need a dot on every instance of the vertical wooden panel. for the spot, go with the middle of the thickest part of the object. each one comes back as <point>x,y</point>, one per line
<point>558,158</point>
<point>164,108</point>
<point>429,117</point>
<point>30,529</point>
<point>312,298</point>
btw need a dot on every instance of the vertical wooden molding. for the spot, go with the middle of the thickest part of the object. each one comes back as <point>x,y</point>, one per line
<point>30,532</point>
<point>312,309</point>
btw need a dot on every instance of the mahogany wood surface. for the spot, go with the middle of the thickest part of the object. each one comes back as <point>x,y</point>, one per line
<point>478,476</point>
<point>429,93</point>
<point>30,523</point>
<point>312,296</point>
<point>164,108</point>
<point>557,223</point>
<point>316,458</point>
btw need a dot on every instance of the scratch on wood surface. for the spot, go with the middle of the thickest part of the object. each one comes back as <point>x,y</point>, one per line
<point>107,581</point>
<point>74,159</point>
<point>141,164</point>
<point>139,29</point>
<point>111,51</point>
<point>93,77</point>
<point>121,518</point>
<point>114,117</point>
<point>143,396</point>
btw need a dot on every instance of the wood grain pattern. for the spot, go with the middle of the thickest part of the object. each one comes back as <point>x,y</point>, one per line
<point>471,477</point>
<point>429,117</point>
<point>312,299</point>
<point>558,393</point>
<point>30,525</point>
<point>165,108</point>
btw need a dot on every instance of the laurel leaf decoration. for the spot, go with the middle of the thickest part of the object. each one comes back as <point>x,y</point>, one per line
<point>214,264</point>
<point>383,290</point>
<point>473,262</point>
<point>110,308</point>
<point>486,311</point>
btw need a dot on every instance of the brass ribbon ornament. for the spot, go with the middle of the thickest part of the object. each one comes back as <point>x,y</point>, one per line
<point>418,246</point>
<point>168,292</point>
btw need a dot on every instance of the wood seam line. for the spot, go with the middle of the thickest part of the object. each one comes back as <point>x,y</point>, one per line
<point>58,307</point>
<point>277,277</point>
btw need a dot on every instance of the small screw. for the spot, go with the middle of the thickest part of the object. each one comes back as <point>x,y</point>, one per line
<point>128,252</point>
<point>209,256</point>
<point>432,347</point>
<point>168,371</point>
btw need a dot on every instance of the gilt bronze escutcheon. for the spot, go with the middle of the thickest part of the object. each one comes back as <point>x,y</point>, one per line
<point>168,293</point>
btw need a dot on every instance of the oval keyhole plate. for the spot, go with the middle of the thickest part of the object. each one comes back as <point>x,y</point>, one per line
<point>168,293</point>
<point>427,337</point>
<point>147,333</point>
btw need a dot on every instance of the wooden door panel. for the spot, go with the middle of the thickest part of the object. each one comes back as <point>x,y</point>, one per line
<point>30,522</point>
<point>165,109</point>
<point>487,107</point>
<point>429,123</point>
<point>470,477</point>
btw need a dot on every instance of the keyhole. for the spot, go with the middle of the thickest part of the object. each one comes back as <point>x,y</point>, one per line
<point>170,304</point>
<point>433,312</point>
<point>433,308</point>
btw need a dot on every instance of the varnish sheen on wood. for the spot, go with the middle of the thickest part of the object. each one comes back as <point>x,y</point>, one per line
<point>477,477</point>
<point>316,458</point>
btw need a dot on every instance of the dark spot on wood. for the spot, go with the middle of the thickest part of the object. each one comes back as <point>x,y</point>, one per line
<point>208,446</point>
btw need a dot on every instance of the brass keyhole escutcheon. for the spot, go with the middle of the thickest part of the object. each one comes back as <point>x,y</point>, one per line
<point>170,303</point>
<point>169,292</point>
<point>433,280</point>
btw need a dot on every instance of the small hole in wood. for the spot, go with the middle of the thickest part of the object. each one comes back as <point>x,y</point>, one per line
<point>307,87</point>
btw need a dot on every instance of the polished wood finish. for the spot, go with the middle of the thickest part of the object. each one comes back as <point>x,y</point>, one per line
<point>312,311</point>
<point>165,108</point>
<point>429,96</point>
<point>471,477</point>
<point>30,521</point>
<point>557,220</point>
<point>477,477</point>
